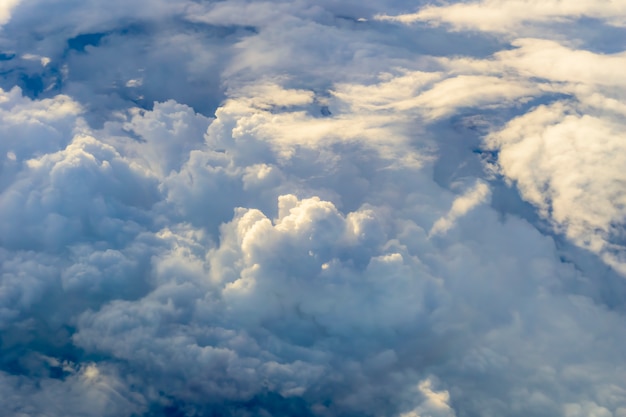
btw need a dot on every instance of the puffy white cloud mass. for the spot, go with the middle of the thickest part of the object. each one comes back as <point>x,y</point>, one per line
<point>312,208</point>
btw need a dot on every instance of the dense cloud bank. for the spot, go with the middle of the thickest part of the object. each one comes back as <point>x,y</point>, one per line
<point>298,208</point>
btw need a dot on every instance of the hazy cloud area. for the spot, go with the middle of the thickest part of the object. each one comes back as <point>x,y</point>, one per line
<point>313,208</point>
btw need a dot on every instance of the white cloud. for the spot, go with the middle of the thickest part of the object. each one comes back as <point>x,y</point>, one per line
<point>230,208</point>
<point>461,205</point>
<point>504,16</point>
<point>435,403</point>
<point>5,10</point>
<point>433,96</point>
<point>554,62</point>
<point>570,166</point>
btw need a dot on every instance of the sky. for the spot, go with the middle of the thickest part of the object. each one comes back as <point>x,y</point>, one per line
<point>312,208</point>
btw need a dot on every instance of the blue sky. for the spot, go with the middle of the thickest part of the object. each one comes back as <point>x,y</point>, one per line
<point>312,208</point>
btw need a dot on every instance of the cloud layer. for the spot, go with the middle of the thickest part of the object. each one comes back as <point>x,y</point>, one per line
<point>311,209</point>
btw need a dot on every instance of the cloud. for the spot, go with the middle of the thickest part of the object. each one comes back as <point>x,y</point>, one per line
<point>461,206</point>
<point>554,131</point>
<point>431,96</point>
<point>503,16</point>
<point>553,61</point>
<point>435,403</point>
<point>86,391</point>
<point>291,208</point>
<point>569,165</point>
<point>5,10</point>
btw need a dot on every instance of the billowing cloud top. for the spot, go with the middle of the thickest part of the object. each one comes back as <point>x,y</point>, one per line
<point>312,208</point>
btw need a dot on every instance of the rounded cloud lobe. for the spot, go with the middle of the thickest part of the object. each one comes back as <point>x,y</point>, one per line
<point>310,209</point>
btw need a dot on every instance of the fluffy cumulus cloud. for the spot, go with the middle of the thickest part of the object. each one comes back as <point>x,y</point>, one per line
<point>312,208</point>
